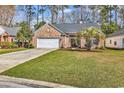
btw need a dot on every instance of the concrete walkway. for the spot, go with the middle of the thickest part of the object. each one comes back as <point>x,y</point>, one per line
<point>12,82</point>
<point>10,60</point>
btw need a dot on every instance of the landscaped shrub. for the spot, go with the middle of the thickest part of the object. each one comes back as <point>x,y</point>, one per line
<point>27,45</point>
<point>8,45</point>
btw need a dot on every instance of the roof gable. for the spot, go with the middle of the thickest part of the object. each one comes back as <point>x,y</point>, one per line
<point>51,25</point>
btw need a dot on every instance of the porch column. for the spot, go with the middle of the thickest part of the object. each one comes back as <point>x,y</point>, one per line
<point>82,42</point>
<point>101,43</point>
<point>66,42</point>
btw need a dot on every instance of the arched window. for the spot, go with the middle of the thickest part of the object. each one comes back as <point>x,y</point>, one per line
<point>123,40</point>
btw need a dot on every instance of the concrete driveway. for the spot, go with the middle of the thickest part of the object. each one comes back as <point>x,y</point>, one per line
<point>10,60</point>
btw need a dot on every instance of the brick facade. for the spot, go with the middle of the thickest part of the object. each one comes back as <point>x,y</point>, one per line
<point>48,31</point>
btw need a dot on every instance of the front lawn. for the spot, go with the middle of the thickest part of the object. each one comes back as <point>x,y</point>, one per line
<point>4,51</point>
<point>76,68</point>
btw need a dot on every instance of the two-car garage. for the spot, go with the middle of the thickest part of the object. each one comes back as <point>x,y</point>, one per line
<point>47,43</point>
<point>49,36</point>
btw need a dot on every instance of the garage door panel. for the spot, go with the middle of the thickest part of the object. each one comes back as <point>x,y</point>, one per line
<point>47,43</point>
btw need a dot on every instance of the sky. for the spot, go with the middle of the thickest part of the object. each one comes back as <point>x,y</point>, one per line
<point>20,14</point>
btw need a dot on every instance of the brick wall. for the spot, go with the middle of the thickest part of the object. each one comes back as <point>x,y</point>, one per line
<point>47,31</point>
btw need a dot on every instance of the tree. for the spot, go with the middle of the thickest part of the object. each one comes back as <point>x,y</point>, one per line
<point>24,34</point>
<point>94,10</point>
<point>29,12</point>
<point>73,17</point>
<point>37,14</point>
<point>121,15</point>
<point>40,10</point>
<point>37,26</point>
<point>54,13</point>
<point>104,11</point>
<point>91,33</point>
<point>7,13</point>
<point>81,11</point>
<point>62,8</point>
<point>116,13</point>
<point>108,26</point>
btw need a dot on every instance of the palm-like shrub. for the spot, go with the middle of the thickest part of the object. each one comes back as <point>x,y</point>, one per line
<point>91,33</point>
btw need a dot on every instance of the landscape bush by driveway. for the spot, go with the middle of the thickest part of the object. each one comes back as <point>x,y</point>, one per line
<point>76,68</point>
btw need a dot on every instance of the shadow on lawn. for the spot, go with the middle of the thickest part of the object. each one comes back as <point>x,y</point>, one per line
<point>82,50</point>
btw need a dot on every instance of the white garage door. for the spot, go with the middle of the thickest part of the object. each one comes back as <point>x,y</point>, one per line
<point>47,43</point>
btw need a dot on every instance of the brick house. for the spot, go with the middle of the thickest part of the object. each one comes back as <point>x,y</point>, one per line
<point>8,34</point>
<point>60,35</point>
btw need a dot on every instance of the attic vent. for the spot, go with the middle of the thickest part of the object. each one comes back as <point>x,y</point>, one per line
<point>48,29</point>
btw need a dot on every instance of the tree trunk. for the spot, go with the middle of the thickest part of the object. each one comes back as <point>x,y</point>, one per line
<point>52,14</point>
<point>10,23</point>
<point>37,14</point>
<point>62,14</point>
<point>30,15</point>
<point>110,17</point>
<point>123,17</point>
<point>110,14</point>
<point>27,17</point>
<point>81,7</point>
<point>116,16</point>
<point>42,12</point>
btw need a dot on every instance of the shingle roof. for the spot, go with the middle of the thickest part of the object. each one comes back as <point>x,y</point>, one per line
<point>72,28</point>
<point>118,33</point>
<point>10,30</point>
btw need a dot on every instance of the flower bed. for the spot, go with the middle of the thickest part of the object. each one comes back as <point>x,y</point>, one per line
<point>5,45</point>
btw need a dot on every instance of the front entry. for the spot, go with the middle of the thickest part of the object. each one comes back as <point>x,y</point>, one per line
<point>75,43</point>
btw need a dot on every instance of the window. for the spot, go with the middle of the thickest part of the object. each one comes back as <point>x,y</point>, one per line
<point>115,43</point>
<point>123,40</point>
<point>110,41</point>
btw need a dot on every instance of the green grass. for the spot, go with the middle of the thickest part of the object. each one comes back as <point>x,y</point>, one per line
<point>4,51</point>
<point>76,68</point>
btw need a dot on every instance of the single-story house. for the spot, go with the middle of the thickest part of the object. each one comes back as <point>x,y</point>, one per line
<point>60,35</point>
<point>8,34</point>
<point>115,40</point>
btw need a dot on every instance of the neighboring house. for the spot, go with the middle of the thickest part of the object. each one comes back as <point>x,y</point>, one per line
<point>115,40</point>
<point>8,34</point>
<point>60,35</point>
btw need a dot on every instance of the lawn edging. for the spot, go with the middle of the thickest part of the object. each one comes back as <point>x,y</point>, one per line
<point>35,83</point>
